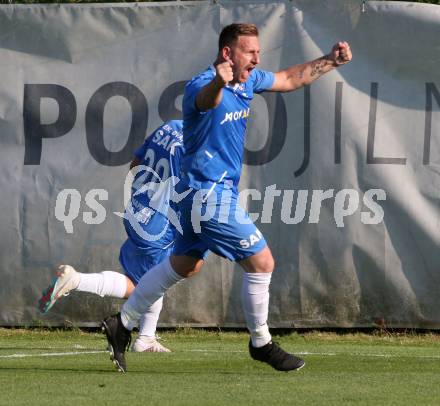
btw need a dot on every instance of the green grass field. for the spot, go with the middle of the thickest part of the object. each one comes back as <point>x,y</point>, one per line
<point>41,367</point>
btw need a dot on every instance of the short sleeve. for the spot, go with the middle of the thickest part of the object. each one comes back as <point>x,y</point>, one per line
<point>192,89</point>
<point>262,80</point>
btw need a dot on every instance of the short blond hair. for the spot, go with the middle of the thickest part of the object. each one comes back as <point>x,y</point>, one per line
<point>230,33</point>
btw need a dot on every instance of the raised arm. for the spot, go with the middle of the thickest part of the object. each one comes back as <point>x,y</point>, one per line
<point>297,76</point>
<point>210,96</point>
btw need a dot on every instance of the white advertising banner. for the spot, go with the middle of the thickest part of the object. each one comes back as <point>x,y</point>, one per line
<point>342,177</point>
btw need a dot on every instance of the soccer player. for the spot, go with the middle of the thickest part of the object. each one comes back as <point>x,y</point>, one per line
<point>215,110</point>
<point>150,233</point>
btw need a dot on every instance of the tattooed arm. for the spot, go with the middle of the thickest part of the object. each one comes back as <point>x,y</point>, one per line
<point>297,76</point>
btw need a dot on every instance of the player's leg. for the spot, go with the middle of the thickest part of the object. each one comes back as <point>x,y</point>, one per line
<point>118,327</point>
<point>150,288</point>
<point>255,294</point>
<point>147,340</point>
<point>137,261</point>
<point>188,258</point>
<point>106,283</point>
<point>255,301</point>
<point>155,283</point>
<point>233,235</point>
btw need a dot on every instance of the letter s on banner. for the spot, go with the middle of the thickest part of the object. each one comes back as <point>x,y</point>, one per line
<point>98,208</point>
<point>377,213</point>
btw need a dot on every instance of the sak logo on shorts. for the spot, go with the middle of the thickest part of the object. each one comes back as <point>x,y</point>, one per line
<point>253,239</point>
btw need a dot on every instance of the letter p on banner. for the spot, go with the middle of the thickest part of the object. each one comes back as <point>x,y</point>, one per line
<point>34,129</point>
<point>340,209</point>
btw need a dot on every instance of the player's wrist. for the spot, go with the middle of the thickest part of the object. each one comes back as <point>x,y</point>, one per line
<point>219,82</point>
<point>331,60</point>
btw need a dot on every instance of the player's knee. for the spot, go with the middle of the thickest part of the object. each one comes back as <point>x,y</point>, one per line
<point>186,266</point>
<point>265,263</point>
<point>262,262</point>
<point>268,263</point>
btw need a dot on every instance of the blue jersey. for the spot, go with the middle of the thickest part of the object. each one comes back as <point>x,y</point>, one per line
<point>214,139</point>
<point>147,217</point>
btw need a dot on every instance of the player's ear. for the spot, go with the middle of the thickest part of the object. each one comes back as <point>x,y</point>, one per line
<point>226,53</point>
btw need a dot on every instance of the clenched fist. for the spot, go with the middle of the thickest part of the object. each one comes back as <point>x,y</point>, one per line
<point>224,73</point>
<point>340,53</point>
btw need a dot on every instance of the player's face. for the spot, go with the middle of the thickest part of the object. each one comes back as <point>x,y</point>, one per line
<point>245,55</point>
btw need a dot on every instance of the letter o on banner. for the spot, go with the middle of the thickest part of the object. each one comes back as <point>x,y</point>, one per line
<point>95,122</point>
<point>277,132</point>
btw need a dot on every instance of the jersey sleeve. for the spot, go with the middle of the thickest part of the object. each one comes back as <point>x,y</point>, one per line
<point>262,80</point>
<point>192,89</point>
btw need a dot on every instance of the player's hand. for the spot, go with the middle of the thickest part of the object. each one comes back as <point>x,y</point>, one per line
<point>224,73</point>
<point>340,53</point>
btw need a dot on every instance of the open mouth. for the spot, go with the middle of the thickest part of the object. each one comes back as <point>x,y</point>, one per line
<point>247,71</point>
